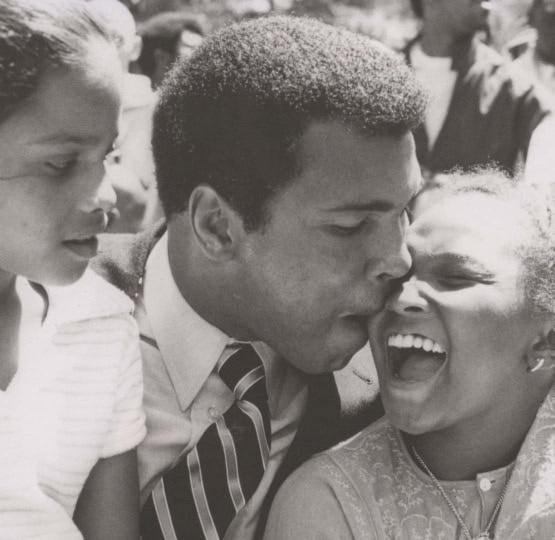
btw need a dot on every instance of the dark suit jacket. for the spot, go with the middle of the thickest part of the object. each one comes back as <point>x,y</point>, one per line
<point>337,407</point>
<point>493,111</point>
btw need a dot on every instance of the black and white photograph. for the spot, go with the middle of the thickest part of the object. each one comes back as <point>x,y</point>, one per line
<point>277,270</point>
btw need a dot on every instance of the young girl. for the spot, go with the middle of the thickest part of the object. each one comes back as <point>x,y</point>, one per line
<point>70,374</point>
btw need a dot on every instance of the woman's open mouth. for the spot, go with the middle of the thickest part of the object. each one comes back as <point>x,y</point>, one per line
<point>413,357</point>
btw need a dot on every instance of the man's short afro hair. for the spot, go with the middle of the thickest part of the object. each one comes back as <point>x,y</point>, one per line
<point>230,116</point>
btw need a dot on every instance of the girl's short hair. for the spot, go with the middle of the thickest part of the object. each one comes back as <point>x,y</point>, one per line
<point>36,35</point>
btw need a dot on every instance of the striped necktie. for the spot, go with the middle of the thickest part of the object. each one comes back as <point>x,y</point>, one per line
<point>200,496</point>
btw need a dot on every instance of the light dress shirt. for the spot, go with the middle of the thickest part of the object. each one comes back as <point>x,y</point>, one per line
<point>436,74</point>
<point>184,394</point>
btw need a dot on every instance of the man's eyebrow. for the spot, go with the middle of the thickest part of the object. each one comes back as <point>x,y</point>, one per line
<point>374,206</point>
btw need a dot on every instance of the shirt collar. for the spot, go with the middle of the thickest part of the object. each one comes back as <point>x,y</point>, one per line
<point>179,331</point>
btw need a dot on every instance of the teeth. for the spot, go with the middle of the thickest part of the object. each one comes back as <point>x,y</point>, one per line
<point>411,341</point>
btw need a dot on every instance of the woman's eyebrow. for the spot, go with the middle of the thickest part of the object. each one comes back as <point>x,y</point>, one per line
<point>460,260</point>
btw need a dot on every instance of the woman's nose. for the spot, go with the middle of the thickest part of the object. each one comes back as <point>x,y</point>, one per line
<point>407,299</point>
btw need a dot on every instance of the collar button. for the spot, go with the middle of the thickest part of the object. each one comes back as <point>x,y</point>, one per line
<point>485,484</point>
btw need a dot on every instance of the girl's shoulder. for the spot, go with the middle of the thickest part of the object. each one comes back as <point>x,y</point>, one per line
<point>89,298</point>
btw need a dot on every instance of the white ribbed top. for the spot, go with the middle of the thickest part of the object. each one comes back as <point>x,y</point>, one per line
<point>75,398</point>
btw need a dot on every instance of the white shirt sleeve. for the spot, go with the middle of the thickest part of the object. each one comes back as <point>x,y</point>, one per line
<point>127,428</point>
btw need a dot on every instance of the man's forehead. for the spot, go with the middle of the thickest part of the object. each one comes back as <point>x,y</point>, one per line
<point>343,169</point>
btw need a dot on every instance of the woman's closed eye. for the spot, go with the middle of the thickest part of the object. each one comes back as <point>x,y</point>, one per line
<point>460,281</point>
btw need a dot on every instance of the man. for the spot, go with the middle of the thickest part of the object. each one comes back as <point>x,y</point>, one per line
<point>536,55</point>
<point>482,109</point>
<point>166,37</point>
<point>285,163</point>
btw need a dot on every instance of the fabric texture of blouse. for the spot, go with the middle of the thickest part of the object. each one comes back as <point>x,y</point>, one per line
<point>370,489</point>
<point>76,398</point>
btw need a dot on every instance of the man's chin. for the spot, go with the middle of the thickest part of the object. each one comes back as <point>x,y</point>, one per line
<point>329,364</point>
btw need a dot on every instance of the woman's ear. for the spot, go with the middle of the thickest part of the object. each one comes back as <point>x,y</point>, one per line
<point>542,353</point>
<point>213,223</point>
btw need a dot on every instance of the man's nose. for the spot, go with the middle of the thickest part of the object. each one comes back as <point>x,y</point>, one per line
<point>392,253</point>
<point>399,263</point>
<point>407,299</point>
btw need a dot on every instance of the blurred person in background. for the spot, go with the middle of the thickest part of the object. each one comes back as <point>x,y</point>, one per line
<point>536,53</point>
<point>131,167</point>
<point>167,37</point>
<point>482,110</point>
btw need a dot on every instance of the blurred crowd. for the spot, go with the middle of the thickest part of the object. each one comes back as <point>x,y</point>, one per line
<point>490,70</point>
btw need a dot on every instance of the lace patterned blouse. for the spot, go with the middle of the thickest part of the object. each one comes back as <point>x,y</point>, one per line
<point>369,488</point>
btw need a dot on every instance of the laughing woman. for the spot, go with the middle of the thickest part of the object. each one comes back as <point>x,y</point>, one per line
<point>465,353</point>
<point>70,372</point>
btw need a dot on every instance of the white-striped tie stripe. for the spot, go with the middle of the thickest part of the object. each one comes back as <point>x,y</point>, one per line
<point>203,512</point>
<point>163,511</point>
<point>247,381</point>
<point>232,469</point>
<point>256,417</point>
<point>224,359</point>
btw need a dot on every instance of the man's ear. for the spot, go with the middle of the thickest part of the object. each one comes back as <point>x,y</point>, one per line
<point>214,223</point>
<point>542,353</point>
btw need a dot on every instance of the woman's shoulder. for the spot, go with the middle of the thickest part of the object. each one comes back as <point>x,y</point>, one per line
<point>375,442</point>
<point>344,462</point>
<point>330,496</point>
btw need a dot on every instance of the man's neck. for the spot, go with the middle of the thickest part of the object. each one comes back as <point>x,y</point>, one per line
<point>437,43</point>
<point>204,288</point>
